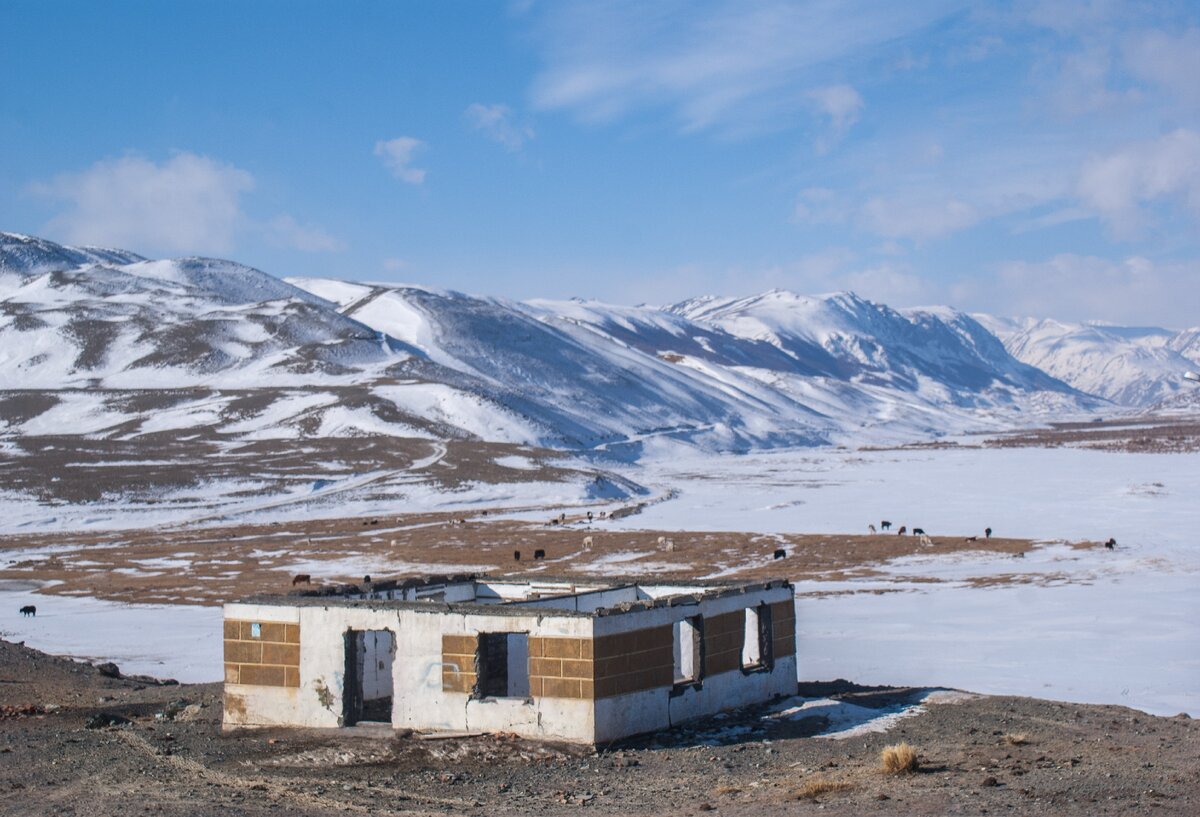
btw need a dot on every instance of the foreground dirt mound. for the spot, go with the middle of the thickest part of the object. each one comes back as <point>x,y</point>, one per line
<point>76,741</point>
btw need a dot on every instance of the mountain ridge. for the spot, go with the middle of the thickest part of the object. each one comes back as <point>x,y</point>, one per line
<point>349,358</point>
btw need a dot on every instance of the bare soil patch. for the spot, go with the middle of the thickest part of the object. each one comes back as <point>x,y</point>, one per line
<point>171,758</point>
<point>212,565</point>
<point>1148,435</point>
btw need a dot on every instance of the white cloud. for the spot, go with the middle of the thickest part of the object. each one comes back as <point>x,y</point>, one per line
<point>498,123</point>
<point>820,205</point>
<point>1118,185</point>
<point>1171,61</point>
<point>397,155</point>
<point>724,64</point>
<point>1085,84</point>
<point>917,219</point>
<point>1134,290</point>
<point>189,203</point>
<point>287,231</point>
<point>841,104</point>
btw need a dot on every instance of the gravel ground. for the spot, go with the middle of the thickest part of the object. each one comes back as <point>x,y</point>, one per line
<point>978,755</point>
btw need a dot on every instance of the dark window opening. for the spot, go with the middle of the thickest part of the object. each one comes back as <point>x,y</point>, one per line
<point>503,665</point>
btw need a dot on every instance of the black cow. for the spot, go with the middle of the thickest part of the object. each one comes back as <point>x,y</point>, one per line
<point>918,531</point>
<point>1110,544</point>
<point>781,554</point>
<point>987,532</point>
<point>885,525</point>
<point>539,554</point>
<point>29,610</point>
<point>516,555</point>
<point>903,530</point>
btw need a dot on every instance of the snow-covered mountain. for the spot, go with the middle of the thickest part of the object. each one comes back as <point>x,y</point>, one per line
<point>1131,366</point>
<point>107,343</point>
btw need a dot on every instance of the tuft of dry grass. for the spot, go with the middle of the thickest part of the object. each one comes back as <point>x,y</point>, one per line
<point>727,789</point>
<point>900,758</point>
<point>815,787</point>
<point>1018,739</point>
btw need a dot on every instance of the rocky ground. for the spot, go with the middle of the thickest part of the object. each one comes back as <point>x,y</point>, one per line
<point>74,740</point>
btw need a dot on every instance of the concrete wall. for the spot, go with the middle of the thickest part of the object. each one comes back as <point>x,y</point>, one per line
<point>649,710</point>
<point>591,679</point>
<point>418,698</point>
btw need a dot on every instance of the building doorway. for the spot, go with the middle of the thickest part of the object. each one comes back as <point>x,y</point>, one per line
<point>368,687</point>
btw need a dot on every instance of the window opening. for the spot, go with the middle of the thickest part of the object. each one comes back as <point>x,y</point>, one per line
<point>756,641</point>
<point>686,650</point>
<point>503,666</point>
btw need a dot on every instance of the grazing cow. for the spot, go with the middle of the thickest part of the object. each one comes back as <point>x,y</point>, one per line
<point>589,516</point>
<point>483,512</point>
<point>553,522</point>
<point>587,543</point>
<point>987,533</point>
<point>29,610</point>
<point>918,531</point>
<point>301,578</point>
<point>972,539</point>
<point>925,540</point>
<point>903,530</point>
<point>780,554</point>
<point>1111,543</point>
<point>562,517</point>
<point>539,554</point>
<point>367,580</point>
<point>871,528</point>
<point>516,555</point>
<point>885,525</point>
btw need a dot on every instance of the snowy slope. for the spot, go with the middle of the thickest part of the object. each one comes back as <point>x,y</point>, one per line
<point>105,342</point>
<point>732,375</point>
<point>1132,366</point>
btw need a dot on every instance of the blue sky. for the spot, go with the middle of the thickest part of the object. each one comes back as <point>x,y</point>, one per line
<point>1018,158</point>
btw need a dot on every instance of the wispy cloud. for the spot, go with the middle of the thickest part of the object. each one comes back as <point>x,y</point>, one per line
<point>1132,290</point>
<point>917,218</point>
<point>397,155</point>
<point>288,232</point>
<point>189,203</point>
<point>841,105</point>
<point>1168,60</point>
<point>714,64</point>
<point>498,123</point>
<point>1119,185</point>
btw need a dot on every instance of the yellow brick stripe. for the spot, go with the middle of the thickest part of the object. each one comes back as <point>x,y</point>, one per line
<point>271,659</point>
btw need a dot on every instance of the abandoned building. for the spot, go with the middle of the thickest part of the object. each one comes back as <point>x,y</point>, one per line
<point>567,659</point>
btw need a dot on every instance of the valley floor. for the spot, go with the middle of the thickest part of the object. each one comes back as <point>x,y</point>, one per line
<point>1041,609</point>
